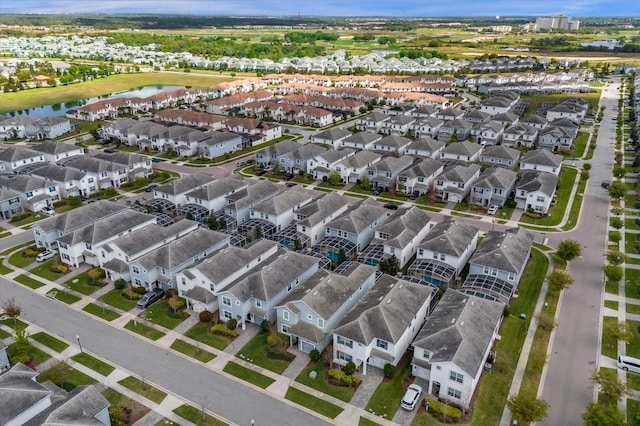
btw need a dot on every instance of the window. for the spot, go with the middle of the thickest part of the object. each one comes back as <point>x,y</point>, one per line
<point>494,272</point>
<point>345,342</point>
<point>426,355</point>
<point>29,194</point>
<point>442,257</point>
<point>511,276</point>
<point>227,314</point>
<point>435,256</point>
<point>285,315</point>
<point>420,252</point>
<point>456,377</point>
<point>258,303</point>
<point>285,328</point>
<point>320,323</point>
<point>309,317</point>
<point>485,270</point>
<point>382,344</point>
<point>136,270</point>
<point>540,199</point>
<point>344,357</point>
<point>455,393</point>
<point>289,287</point>
<point>226,301</point>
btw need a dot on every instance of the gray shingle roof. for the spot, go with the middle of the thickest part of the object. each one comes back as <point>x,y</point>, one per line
<point>499,151</point>
<point>403,226</point>
<point>140,239</point>
<point>542,157</point>
<point>121,157</point>
<point>81,216</point>
<point>284,201</point>
<point>107,227</point>
<point>535,180</point>
<point>360,159</point>
<point>426,144</point>
<point>53,148</point>
<point>375,117</point>
<point>496,177</point>
<point>425,168</point>
<point>459,173</point>
<point>90,164</point>
<point>219,188</point>
<point>505,251</point>
<point>80,408</point>
<point>253,194</point>
<point>214,138</point>
<point>334,133</point>
<point>359,217</point>
<point>394,141</point>
<point>463,148</point>
<point>333,155</point>
<point>58,173</point>
<point>320,209</point>
<point>279,148</point>
<point>450,237</point>
<point>385,311</point>
<point>23,183</point>
<point>185,184</point>
<point>17,153</point>
<point>363,138</point>
<point>18,392</point>
<point>459,330</point>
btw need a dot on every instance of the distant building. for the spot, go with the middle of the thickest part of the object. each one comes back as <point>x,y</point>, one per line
<point>555,22</point>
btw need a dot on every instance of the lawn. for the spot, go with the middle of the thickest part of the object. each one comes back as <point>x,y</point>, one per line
<point>115,299</point>
<point>25,99</point>
<point>4,270</point>
<point>609,343</point>
<point>14,323</point>
<point>612,304</point>
<point>633,408</point>
<point>195,415</point>
<point>248,375</point>
<point>386,399</point>
<point>633,347</point>
<point>20,260</point>
<point>27,217</point>
<point>37,356</point>
<point>44,270</point>
<point>321,384</point>
<point>4,334</point>
<point>192,351</point>
<point>69,380</point>
<point>255,351</point>
<point>143,388</point>
<point>50,341</point>
<point>200,332</point>
<point>162,314</point>
<point>611,287</point>
<point>101,312</point>
<point>115,398</point>
<point>632,308</point>
<point>631,224</point>
<point>82,284</point>
<point>565,186</point>
<point>574,213</point>
<point>142,329</point>
<point>366,422</point>
<point>632,283</point>
<point>313,403</point>
<point>633,381</point>
<point>29,282</point>
<point>93,363</point>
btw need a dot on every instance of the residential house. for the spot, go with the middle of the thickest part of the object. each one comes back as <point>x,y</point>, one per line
<point>213,196</point>
<point>83,245</point>
<point>425,147</point>
<point>355,167</point>
<point>373,122</point>
<point>399,236</point>
<point>332,137</point>
<point>327,162</point>
<point>465,151</point>
<point>159,267</point>
<point>454,183</point>
<point>476,116</point>
<point>28,402</point>
<point>493,187</point>
<point>427,127</point>
<point>176,191</point>
<point>136,165</point>
<point>559,134</point>
<point>105,173</point>
<point>384,173</point>
<point>574,109</point>
<point>449,114</point>
<point>10,205</point>
<point>535,190</point>
<point>201,283</point>
<point>56,151</point>
<point>352,231</point>
<point>219,143</point>
<point>420,176</point>
<point>444,252</point>
<point>310,313</point>
<point>501,156</point>
<point>47,231</point>
<point>15,158</point>
<point>392,144</point>
<point>361,140</point>
<point>534,120</point>
<point>254,297</point>
<point>459,128</point>
<point>397,125</point>
<point>249,126</point>
<point>451,349</point>
<point>506,119</point>
<point>297,159</point>
<point>519,135</point>
<point>380,327</point>
<point>35,193</point>
<point>71,182</point>
<point>490,133</point>
<point>270,155</point>
<point>542,160</point>
<point>275,213</point>
<point>239,204</point>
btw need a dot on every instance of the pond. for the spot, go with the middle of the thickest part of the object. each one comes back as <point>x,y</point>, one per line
<point>62,108</point>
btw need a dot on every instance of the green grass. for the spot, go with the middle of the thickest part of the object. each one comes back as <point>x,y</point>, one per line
<point>248,375</point>
<point>99,311</point>
<point>18,260</point>
<point>65,297</point>
<point>611,287</point>
<point>27,217</point>
<point>24,99</point>
<point>93,363</point>
<point>44,270</point>
<point>142,388</point>
<point>633,381</point>
<point>10,250</point>
<point>631,224</point>
<point>73,378</point>
<point>166,422</point>
<point>633,347</point>
<point>609,343</point>
<point>80,283</point>
<point>631,308</point>
<point>313,403</point>
<point>29,282</point>
<point>37,356</point>
<point>195,415</point>
<point>320,382</point>
<point>138,410</point>
<point>632,283</point>
<point>115,299</point>
<point>255,351</point>
<point>143,330</point>
<point>556,213</point>
<point>50,341</point>
<point>4,270</point>
<point>4,334</point>
<point>161,313</point>
<point>580,144</point>
<point>609,374</point>
<point>386,399</point>
<point>611,304</point>
<point>633,408</point>
<point>200,332</point>
<point>192,351</point>
<point>574,213</point>
<point>366,422</point>
<point>14,323</point>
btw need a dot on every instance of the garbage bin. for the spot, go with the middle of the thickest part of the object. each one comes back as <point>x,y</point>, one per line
<point>426,405</point>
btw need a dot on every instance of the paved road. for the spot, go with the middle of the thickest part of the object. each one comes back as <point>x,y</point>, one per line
<point>188,380</point>
<point>567,387</point>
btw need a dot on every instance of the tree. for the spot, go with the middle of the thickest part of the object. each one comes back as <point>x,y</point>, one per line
<point>59,373</point>
<point>619,331</point>
<point>342,255</point>
<point>613,272</point>
<point>74,201</point>
<point>568,250</point>
<point>365,184</point>
<point>525,407</point>
<point>617,189</point>
<point>335,179</point>
<point>12,309</point>
<point>619,172</point>
<point>390,265</point>
<point>602,415</point>
<point>611,388</point>
<point>212,222</point>
<point>558,280</point>
<point>615,257</point>
<point>176,303</point>
<point>616,222</point>
<point>258,232</point>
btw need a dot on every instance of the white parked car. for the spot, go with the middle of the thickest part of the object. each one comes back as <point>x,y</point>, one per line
<point>49,211</point>
<point>45,255</point>
<point>411,397</point>
<point>492,210</point>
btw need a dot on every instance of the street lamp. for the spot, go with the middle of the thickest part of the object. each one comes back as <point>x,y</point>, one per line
<point>79,344</point>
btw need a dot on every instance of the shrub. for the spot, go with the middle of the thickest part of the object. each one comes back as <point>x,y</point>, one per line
<point>120,284</point>
<point>314,355</point>
<point>445,410</point>
<point>205,316</point>
<point>350,368</point>
<point>507,311</point>
<point>586,166</point>
<point>342,378</point>
<point>615,236</point>
<point>96,273</point>
<point>389,370</point>
<point>223,330</point>
<point>23,358</point>
<point>277,346</point>
<point>232,324</point>
<point>130,294</point>
<point>265,326</point>
<point>59,268</point>
<point>140,290</point>
<point>30,253</point>
<point>172,292</point>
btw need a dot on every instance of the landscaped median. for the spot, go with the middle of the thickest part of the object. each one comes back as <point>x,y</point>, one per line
<point>257,352</point>
<point>248,375</point>
<point>192,351</point>
<point>197,416</point>
<point>313,403</point>
<point>143,388</point>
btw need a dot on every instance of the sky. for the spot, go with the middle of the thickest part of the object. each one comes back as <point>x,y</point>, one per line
<point>404,8</point>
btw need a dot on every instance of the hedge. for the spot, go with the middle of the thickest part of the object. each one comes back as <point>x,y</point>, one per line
<point>344,378</point>
<point>223,330</point>
<point>446,410</point>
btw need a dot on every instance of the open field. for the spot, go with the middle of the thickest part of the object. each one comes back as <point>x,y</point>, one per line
<point>25,99</point>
